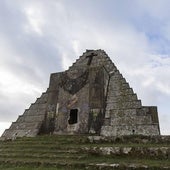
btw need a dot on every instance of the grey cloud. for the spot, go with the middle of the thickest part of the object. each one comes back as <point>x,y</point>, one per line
<point>35,52</point>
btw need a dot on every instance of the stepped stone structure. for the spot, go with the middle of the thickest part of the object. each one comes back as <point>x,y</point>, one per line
<point>90,97</point>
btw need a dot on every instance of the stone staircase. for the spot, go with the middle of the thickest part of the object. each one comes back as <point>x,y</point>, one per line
<point>30,122</point>
<point>86,152</point>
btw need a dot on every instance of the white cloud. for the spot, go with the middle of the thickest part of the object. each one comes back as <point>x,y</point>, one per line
<point>35,20</point>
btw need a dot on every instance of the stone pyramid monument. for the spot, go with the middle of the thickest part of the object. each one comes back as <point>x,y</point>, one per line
<point>90,97</point>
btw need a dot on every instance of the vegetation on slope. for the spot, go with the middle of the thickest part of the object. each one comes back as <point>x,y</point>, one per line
<point>84,152</point>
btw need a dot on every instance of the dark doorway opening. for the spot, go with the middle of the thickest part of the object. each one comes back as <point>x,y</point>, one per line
<point>73,116</point>
<point>133,131</point>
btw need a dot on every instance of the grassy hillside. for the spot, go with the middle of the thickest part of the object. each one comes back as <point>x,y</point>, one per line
<point>84,152</point>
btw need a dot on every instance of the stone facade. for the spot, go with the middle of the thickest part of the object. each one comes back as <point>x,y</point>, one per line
<point>90,97</point>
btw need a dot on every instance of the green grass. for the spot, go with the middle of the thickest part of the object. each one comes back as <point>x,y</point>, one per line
<point>67,152</point>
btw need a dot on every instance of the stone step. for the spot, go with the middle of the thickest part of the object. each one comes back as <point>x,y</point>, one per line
<point>25,125</point>
<point>162,153</point>
<point>125,118</point>
<point>128,97</point>
<point>123,92</point>
<point>72,165</point>
<point>35,106</point>
<point>119,87</point>
<point>124,105</point>
<point>116,74</point>
<point>37,112</point>
<point>99,60</point>
<point>133,128</point>
<point>132,121</point>
<point>13,134</point>
<point>130,151</point>
<point>41,100</point>
<point>44,96</point>
<point>127,112</point>
<point>117,80</point>
<point>30,118</point>
<point>110,67</point>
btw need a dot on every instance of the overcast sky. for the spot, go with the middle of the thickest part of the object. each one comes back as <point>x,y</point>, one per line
<point>38,37</point>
